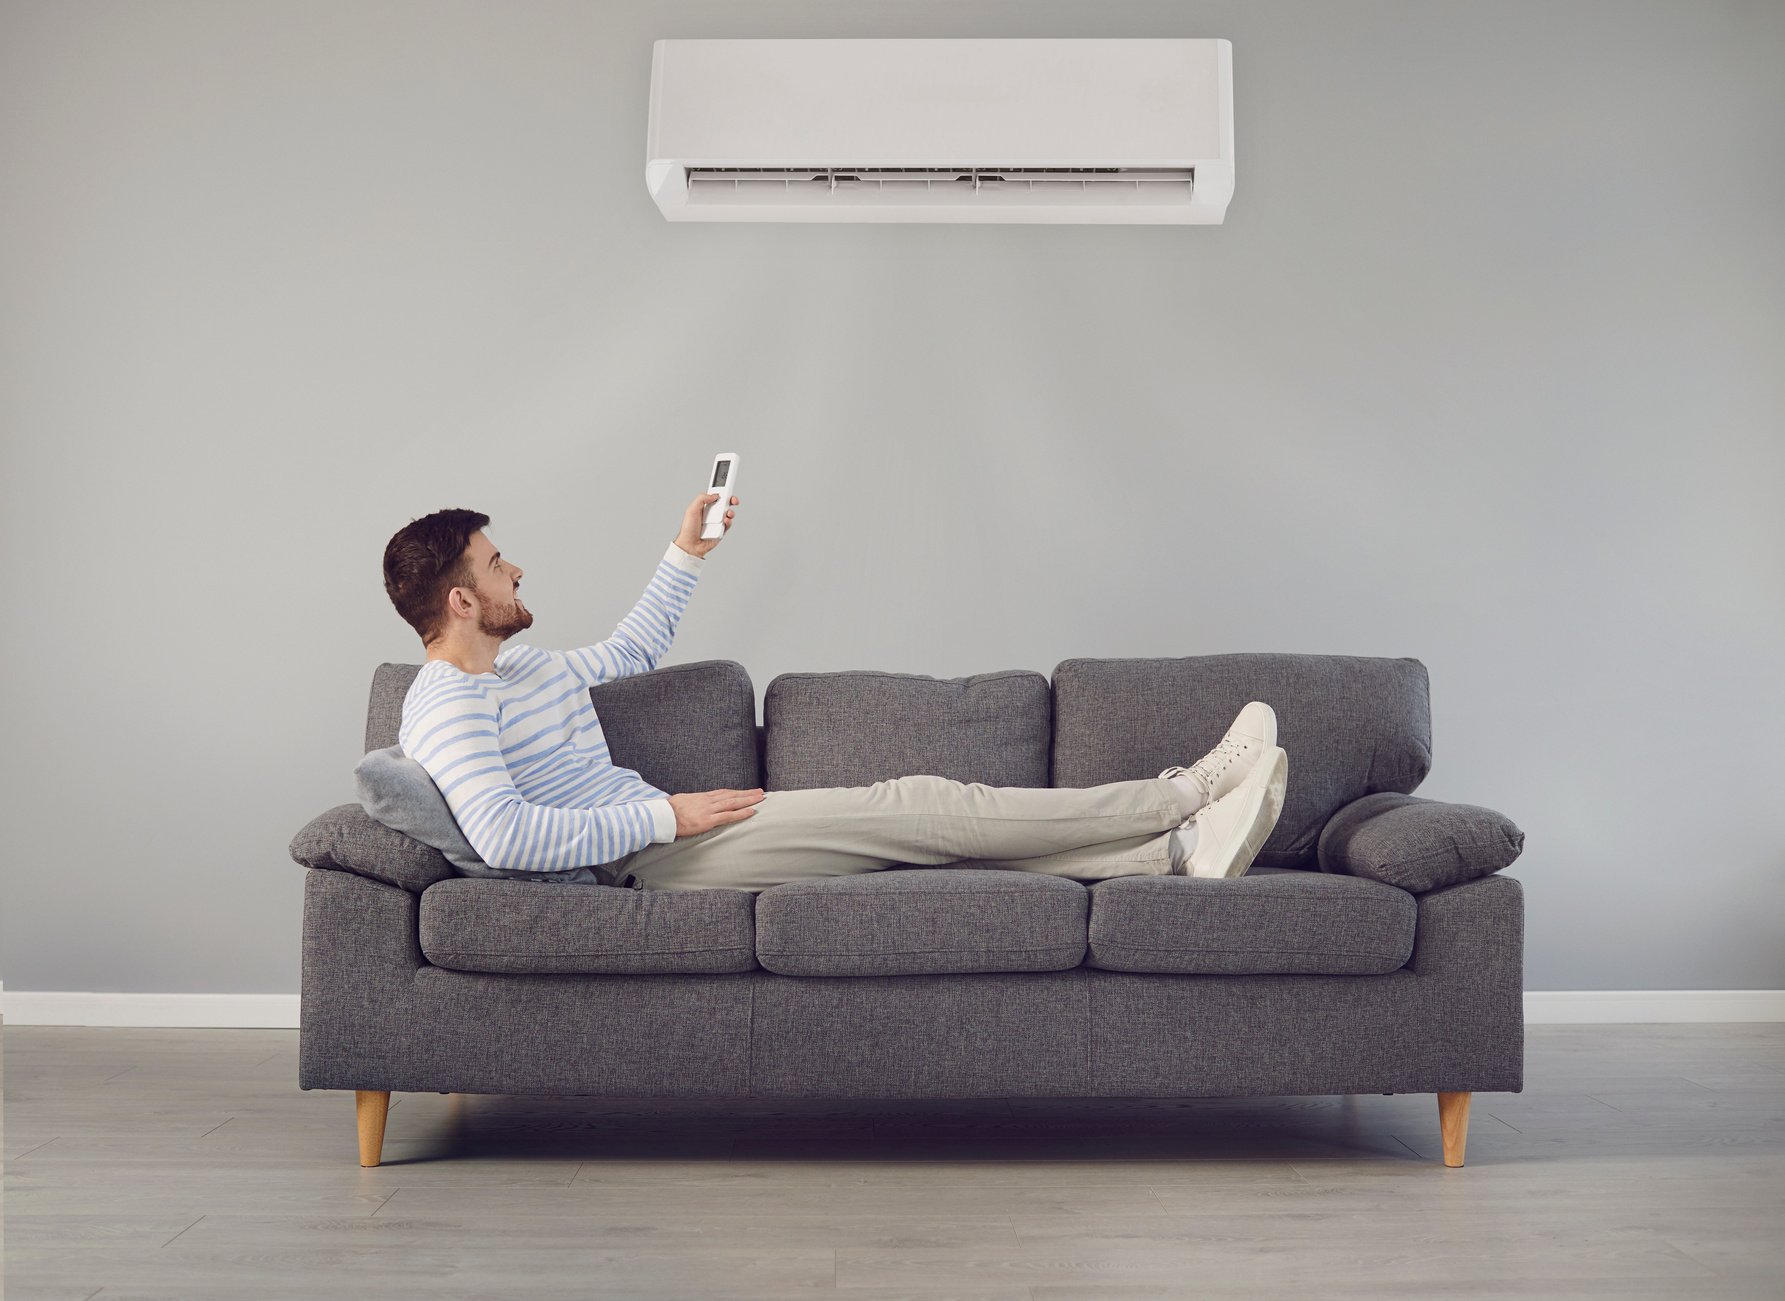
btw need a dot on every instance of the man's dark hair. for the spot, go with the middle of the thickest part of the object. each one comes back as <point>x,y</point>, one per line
<point>424,561</point>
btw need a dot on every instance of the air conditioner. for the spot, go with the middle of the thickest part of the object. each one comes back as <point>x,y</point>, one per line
<point>1008,130</point>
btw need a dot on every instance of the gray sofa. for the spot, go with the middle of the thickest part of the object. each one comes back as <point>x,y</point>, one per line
<point>1370,949</point>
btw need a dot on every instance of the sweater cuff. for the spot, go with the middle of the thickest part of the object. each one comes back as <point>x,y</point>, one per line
<point>663,818</point>
<point>683,560</point>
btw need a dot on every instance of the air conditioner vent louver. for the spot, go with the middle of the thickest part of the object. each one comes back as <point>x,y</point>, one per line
<point>936,186</point>
<point>819,171</point>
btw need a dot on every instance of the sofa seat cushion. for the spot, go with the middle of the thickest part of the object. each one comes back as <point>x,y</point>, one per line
<point>472,924</point>
<point>1272,921</point>
<point>922,920</point>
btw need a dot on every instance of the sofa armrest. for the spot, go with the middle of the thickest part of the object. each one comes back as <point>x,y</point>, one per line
<point>347,839</point>
<point>1417,844</point>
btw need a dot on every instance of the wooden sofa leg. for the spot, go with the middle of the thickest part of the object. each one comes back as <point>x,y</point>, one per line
<point>371,1106</point>
<point>1453,1121</point>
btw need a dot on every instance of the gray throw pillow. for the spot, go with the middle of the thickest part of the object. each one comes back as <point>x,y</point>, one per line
<point>1417,844</point>
<point>397,791</point>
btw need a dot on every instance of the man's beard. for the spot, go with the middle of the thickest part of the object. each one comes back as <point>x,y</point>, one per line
<point>505,622</point>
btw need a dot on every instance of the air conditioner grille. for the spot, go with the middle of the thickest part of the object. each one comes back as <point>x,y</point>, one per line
<point>886,188</point>
<point>833,176</point>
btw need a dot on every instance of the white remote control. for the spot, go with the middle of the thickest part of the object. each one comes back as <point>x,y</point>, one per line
<point>724,481</point>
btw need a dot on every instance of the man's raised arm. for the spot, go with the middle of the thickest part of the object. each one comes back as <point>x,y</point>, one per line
<point>454,736</point>
<point>644,635</point>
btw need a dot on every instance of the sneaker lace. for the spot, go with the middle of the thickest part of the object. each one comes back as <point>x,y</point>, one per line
<point>1215,762</point>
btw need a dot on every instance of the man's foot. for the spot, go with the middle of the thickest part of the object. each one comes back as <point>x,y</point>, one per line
<point>1230,832</point>
<point>1219,772</point>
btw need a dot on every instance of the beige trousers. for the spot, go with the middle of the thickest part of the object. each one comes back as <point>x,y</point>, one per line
<point>1088,833</point>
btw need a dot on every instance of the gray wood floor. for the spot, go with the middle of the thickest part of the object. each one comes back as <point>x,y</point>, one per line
<point>1641,1161</point>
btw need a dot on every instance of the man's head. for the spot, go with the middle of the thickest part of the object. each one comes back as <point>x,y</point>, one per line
<point>451,584</point>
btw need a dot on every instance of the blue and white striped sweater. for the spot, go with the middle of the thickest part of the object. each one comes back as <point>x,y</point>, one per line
<point>519,753</point>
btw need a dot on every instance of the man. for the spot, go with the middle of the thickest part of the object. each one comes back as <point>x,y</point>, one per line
<point>509,735</point>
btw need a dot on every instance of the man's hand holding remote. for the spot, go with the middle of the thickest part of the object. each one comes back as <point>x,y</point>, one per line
<point>700,811</point>
<point>689,538</point>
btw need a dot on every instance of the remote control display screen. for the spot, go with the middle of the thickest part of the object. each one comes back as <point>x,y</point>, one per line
<point>719,473</point>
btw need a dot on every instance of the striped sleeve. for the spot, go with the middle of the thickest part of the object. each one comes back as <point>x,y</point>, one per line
<point>644,635</point>
<point>454,736</point>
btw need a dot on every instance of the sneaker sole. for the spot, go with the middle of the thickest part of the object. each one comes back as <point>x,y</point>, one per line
<point>1264,803</point>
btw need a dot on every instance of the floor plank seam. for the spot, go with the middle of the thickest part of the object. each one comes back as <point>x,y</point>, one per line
<point>169,1242</point>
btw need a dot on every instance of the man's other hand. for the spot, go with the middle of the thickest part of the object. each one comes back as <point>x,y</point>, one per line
<point>700,811</point>
<point>689,538</point>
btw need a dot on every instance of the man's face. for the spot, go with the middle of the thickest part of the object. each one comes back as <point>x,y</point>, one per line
<point>500,613</point>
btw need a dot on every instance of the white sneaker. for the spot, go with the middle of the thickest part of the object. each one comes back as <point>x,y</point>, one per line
<point>1222,769</point>
<point>1231,831</point>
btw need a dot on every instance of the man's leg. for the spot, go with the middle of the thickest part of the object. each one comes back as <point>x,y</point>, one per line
<point>1130,856</point>
<point>929,820</point>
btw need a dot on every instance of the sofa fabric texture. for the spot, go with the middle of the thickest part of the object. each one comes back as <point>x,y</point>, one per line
<point>858,727</point>
<point>1418,844</point>
<point>990,1034</point>
<point>348,839</point>
<point>684,727</point>
<point>1351,725</point>
<point>1270,921</point>
<point>510,927</point>
<point>922,921</point>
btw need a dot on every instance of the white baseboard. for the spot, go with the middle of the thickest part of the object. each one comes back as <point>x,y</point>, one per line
<point>280,1011</point>
<point>231,1011</point>
<point>1603,1006</point>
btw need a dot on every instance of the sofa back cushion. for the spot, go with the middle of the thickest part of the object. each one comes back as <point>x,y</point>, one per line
<point>1352,725</point>
<point>861,726</point>
<point>384,711</point>
<point>682,727</point>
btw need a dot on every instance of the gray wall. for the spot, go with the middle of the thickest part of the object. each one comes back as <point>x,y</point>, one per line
<point>1484,368</point>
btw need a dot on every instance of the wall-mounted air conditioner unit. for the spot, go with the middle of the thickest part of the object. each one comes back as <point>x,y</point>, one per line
<point>1031,130</point>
